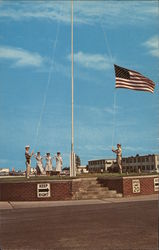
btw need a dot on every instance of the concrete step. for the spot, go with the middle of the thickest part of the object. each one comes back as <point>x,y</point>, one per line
<point>119,195</point>
<point>92,182</point>
<point>89,196</point>
<point>95,185</point>
<point>98,192</point>
<point>91,188</point>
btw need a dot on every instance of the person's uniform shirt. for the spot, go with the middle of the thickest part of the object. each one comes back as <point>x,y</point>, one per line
<point>28,157</point>
<point>48,166</point>
<point>39,162</point>
<point>58,163</point>
<point>119,154</point>
<point>28,163</point>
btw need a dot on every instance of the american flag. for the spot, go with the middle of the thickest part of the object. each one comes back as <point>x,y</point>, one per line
<point>131,79</point>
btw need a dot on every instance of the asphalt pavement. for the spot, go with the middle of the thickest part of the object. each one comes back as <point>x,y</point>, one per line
<point>111,224</point>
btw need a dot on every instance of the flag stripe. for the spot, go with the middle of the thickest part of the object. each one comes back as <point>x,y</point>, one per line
<point>132,88</point>
<point>126,85</point>
<point>134,85</point>
<point>133,80</point>
<point>139,76</point>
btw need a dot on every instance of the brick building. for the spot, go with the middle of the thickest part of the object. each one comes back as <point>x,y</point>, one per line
<point>144,163</point>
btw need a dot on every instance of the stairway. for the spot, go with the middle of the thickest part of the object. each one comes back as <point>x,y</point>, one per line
<point>91,189</point>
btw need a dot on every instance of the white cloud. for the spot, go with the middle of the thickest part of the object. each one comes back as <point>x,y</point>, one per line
<point>21,57</point>
<point>92,61</point>
<point>87,12</point>
<point>152,45</point>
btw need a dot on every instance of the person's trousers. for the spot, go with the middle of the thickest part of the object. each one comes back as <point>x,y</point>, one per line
<point>28,167</point>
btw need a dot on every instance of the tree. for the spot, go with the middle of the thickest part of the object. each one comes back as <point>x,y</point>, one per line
<point>78,161</point>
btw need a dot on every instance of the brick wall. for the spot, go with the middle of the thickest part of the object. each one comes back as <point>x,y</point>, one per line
<point>75,187</point>
<point>67,189</point>
<point>146,185</point>
<point>124,185</point>
<point>27,191</point>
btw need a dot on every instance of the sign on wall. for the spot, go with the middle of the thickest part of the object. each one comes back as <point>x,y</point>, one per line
<point>156,184</point>
<point>136,186</point>
<point>43,190</point>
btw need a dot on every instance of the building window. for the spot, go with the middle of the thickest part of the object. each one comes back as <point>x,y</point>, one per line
<point>108,162</point>
<point>150,158</point>
<point>143,167</point>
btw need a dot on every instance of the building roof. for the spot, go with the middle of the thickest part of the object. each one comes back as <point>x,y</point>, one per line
<point>112,159</point>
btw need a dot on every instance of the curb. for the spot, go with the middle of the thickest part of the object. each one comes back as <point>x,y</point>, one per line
<point>40,204</point>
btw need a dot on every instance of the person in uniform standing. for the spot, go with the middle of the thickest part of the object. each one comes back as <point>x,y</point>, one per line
<point>118,152</point>
<point>39,163</point>
<point>58,162</point>
<point>28,160</point>
<point>48,166</point>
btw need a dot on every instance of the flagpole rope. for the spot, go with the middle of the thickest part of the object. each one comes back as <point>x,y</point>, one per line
<point>48,84</point>
<point>114,118</point>
<point>107,44</point>
<point>114,101</point>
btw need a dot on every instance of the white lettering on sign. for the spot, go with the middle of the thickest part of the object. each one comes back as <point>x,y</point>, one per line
<point>156,184</point>
<point>43,190</point>
<point>136,186</point>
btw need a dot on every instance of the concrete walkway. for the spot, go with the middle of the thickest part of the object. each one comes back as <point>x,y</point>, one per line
<point>34,204</point>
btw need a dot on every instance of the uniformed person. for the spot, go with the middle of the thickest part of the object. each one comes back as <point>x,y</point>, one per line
<point>58,162</point>
<point>48,166</point>
<point>39,163</point>
<point>28,160</point>
<point>118,152</point>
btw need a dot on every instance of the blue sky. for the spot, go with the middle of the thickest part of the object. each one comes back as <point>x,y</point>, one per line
<point>35,84</point>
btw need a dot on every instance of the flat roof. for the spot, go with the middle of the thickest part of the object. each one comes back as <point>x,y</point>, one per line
<point>103,160</point>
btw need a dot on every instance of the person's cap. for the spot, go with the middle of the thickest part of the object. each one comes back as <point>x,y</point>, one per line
<point>47,153</point>
<point>27,146</point>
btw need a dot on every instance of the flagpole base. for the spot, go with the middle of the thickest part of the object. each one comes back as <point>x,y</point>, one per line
<point>72,165</point>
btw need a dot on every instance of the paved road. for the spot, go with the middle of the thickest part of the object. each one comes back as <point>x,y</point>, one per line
<point>110,226</point>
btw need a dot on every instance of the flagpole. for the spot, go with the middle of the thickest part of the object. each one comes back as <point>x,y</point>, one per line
<point>72,157</point>
<point>72,145</point>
